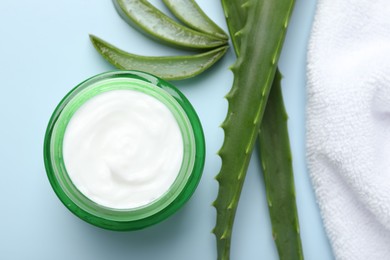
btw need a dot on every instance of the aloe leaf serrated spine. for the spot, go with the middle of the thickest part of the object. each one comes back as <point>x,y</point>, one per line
<point>263,31</point>
<point>189,12</point>
<point>166,67</point>
<point>154,23</point>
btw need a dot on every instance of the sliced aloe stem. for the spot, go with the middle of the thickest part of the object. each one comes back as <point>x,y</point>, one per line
<point>151,21</point>
<point>261,40</point>
<point>166,67</point>
<point>189,12</point>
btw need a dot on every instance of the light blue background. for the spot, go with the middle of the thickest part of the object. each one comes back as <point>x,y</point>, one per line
<point>44,52</point>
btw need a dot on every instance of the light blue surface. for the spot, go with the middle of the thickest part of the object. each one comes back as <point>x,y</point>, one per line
<point>44,52</point>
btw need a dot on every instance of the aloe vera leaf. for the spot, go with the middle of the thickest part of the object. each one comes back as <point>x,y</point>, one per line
<point>235,14</point>
<point>275,154</point>
<point>151,21</point>
<point>189,12</point>
<point>261,41</point>
<point>276,162</point>
<point>166,67</point>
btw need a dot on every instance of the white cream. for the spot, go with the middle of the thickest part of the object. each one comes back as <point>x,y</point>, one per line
<point>123,149</point>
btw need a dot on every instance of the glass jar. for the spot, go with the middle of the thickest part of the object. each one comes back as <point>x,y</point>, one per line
<point>159,209</point>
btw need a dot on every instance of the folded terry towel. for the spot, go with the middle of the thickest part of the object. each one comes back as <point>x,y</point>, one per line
<point>348,124</point>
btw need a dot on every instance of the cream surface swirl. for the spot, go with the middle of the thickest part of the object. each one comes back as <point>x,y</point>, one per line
<point>123,149</point>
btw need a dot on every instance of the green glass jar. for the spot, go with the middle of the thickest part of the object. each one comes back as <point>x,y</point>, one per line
<point>160,208</point>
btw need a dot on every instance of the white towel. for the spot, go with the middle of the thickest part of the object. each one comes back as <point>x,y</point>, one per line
<point>348,125</point>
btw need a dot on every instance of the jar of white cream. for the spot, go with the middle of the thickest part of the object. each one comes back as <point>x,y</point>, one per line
<point>124,150</point>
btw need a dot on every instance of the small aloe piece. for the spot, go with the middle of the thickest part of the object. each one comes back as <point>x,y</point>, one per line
<point>168,67</point>
<point>189,12</point>
<point>275,153</point>
<point>148,19</point>
<point>261,40</point>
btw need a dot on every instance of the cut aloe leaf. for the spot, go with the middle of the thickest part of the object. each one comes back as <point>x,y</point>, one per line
<point>151,21</point>
<point>166,67</point>
<point>189,12</point>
